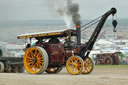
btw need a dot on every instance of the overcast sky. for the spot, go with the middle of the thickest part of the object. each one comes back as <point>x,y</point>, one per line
<point>44,9</point>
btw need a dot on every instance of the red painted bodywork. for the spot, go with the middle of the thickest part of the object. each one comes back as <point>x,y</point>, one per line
<point>58,54</point>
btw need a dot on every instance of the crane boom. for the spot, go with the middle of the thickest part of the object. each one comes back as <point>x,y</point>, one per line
<point>96,32</point>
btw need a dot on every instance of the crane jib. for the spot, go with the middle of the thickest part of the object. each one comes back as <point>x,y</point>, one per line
<point>96,32</point>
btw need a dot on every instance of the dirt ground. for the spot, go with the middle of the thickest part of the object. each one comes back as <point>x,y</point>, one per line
<point>101,75</point>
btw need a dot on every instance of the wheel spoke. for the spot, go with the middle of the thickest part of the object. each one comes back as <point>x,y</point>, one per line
<point>31,54</point>
<point>38,55</point>
<point>35,69</point>
<point>35,53</point>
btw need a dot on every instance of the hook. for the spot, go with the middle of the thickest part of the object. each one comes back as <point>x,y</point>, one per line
<point>114,30</point>
<point>114,23</point>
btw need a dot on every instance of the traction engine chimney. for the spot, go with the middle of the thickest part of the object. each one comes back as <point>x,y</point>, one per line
<point>78,31</point>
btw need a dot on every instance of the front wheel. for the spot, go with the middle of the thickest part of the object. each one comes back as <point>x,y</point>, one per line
<point>74,65</point>
<point>88,66</point>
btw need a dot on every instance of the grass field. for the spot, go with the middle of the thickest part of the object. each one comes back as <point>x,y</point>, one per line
<point>113,69</point>
<point>112,66</point>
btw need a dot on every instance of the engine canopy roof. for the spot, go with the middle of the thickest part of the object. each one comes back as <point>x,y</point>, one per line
<point>49,34</point>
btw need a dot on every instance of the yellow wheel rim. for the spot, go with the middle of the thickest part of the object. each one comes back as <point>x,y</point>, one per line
<point>74,65</point>
<point>88,66</point>
<point>34,60</point>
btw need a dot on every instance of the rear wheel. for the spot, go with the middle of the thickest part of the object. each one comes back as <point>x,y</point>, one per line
<point>54,70</point>
<point>74,65</point>
<point>88,66</point>
<point>36,60</point>
<point>1,67</point>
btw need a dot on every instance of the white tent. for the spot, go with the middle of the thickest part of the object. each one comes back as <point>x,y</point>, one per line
<point>104,42</point>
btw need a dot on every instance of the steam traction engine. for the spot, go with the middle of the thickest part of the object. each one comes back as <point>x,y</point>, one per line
<point>49,54</point>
